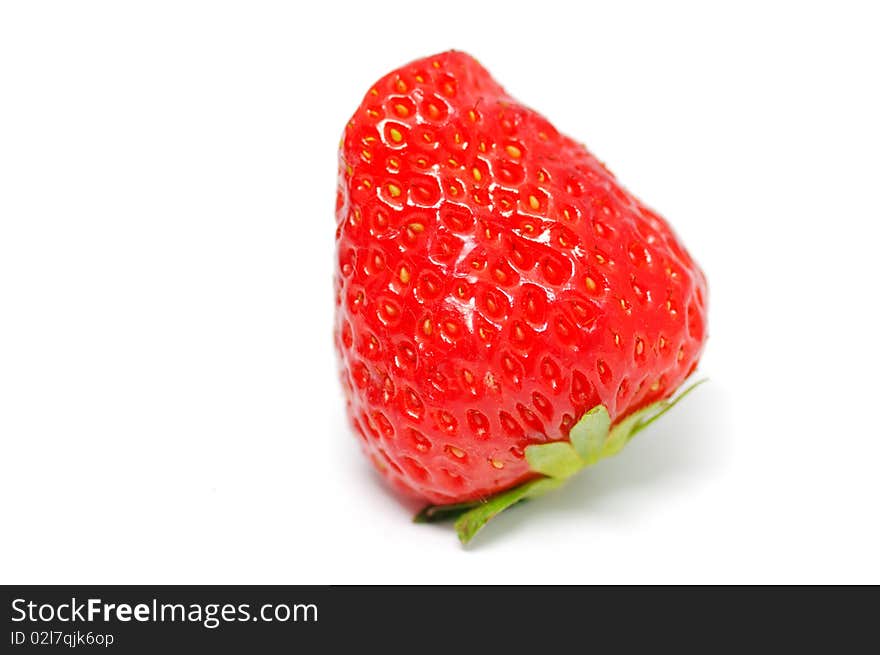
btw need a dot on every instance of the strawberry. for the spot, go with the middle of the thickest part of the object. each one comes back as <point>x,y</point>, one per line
<point>506,312</point>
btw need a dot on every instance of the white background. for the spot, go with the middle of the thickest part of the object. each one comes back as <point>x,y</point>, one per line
<point>169,408</point>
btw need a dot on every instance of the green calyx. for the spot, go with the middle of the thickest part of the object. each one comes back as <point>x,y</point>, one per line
<point>591,439</point>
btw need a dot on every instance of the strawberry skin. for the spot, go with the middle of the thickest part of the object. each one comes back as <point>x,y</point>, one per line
<point>494,282</point>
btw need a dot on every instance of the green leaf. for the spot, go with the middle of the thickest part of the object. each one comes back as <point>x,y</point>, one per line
<point>589,434</point>
<point>623,432</point>
<point>436,513</point>
<point>590,439</point>
<point>665,406</point>
<point>473,521</point>
<point>638,421</point>
<point>558,459</point>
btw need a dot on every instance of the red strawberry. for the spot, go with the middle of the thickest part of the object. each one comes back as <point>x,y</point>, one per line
<point>496,283</point>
